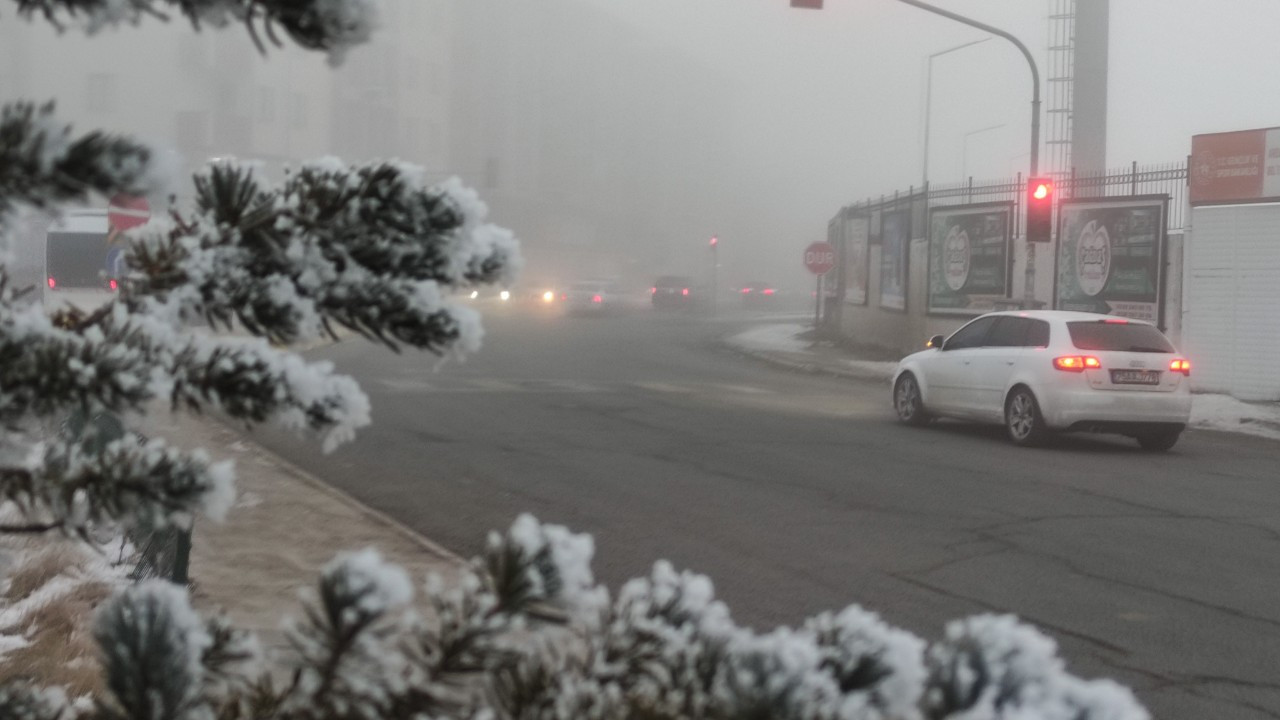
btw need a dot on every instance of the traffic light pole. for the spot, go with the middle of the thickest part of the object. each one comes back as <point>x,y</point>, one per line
<point>1030,294</point>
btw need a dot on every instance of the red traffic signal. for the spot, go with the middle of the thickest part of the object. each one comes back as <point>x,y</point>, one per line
<point>714,241</point>
<point>1040,210</point>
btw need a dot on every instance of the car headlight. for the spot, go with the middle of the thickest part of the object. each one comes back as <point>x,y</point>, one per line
<point>475,294</point>
<point>505,295</point>
<point>548,296</point>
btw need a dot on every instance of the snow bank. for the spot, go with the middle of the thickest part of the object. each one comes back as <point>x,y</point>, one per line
<point>1223,412</point>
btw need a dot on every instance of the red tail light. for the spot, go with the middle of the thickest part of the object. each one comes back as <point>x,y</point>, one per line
<point>1116,321</point>
<point>564,296</point>
<point>597,299</point>
<point>1179,365</point>
<point>52,283</point>
<point>768,291</point>
<point>112,283</point>
<point>653,291</point>
<point>685,291</point>
<point>746,290</point>
<point>1077,363</point>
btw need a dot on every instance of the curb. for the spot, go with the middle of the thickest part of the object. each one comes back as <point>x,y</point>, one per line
<point>774,358</point>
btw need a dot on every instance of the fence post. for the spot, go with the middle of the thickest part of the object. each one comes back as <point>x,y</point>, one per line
<point>1133,187</point>
<point>182,558</point>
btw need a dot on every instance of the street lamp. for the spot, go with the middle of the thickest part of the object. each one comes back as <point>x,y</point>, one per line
<point>1029,288</point>
<point>928,98</point>
<point>964,153</point>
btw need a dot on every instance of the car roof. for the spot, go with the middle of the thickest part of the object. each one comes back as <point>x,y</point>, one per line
<point>1066,316</point>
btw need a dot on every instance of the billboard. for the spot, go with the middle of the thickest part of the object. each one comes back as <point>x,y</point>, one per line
<point>895,251</point>
<point>970,258</point>
<point>1111,257</point>
<point>1235,167</point>
<point>857,246</point>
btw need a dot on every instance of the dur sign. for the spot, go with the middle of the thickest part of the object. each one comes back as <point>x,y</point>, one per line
<point>1111,257</point>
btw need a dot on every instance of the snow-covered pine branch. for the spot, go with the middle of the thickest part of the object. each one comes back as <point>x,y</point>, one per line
<point>370,247</point>
<point>666,650</point>
<point>44,166</point>
<point>331,26</point>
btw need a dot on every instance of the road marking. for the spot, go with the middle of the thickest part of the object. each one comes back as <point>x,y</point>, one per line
<point>405,385</point>
<point>664,387</point>
<point>745,389</point>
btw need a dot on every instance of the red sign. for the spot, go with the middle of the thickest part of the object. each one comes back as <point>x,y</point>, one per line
<point>820,257</point>
<point>1239,166</point>
<point>125,212</point>
<point>810,4</point>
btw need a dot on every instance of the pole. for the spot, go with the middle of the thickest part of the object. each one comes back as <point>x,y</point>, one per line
<point>715,274</point>
<point>1030,294</point>
<point>817,309</point>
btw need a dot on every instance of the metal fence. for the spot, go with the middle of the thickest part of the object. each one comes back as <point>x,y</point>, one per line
<point>1161,179</point>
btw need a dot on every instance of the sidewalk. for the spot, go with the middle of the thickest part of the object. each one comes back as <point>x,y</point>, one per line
<point>284,527</point>
<point>784,344</point>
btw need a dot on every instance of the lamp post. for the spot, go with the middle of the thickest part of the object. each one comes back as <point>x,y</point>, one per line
<point>1030,284</point>
<point>964,152</point>
<point>928,98</point>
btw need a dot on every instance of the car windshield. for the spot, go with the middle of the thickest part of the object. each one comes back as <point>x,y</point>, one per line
<point>1122,336</point>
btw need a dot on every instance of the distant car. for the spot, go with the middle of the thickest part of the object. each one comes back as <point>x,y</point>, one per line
<point>1040,372</point>
<point>489,295</point>
<point>672,292</point>
<point>591,296</point>
<point>758,294</point>
<point>79,254</point>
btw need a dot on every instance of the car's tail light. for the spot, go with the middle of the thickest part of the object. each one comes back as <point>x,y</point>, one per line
<point>1116,321</point>
<point>1077,363</point>
<point>768,291</point>
<point>1179,365</point>
<point>684,291</point>
<point>597,299</point>
<point>112,284</point>
<point>746,290</point>
<point>564,296</point>
<point>653,291</point>
<point>52,283</point>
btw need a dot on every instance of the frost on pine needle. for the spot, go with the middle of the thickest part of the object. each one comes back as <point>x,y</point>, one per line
<point>878,669</point>
<point>20,702</point>
<point>534,565</point>
<point>152,646</point>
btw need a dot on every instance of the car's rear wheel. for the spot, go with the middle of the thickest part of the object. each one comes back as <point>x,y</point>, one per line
<point>1022,418</point>
<point>908,401</point>
<point>1159,440</point>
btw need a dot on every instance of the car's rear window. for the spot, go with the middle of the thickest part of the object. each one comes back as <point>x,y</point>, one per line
<point>1126,337</point>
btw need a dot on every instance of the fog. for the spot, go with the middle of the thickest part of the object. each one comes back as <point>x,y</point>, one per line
<point>616,137</point>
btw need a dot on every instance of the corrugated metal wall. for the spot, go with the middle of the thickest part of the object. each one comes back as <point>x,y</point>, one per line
<point>1231,312</point>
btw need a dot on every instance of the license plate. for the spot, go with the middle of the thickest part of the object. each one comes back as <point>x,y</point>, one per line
<point>1135,377</point>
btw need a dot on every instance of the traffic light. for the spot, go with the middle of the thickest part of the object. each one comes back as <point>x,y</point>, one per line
<point>1039,210</point>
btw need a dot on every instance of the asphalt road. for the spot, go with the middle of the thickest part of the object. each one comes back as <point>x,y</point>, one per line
<point>799,493</point>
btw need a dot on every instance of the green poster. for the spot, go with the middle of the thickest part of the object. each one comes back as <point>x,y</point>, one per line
<point>1111,256</point>
<point>968,258</point>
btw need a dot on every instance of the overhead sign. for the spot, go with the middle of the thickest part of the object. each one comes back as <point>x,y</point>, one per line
<point>126,212</point>
<point>857,246</point>
<point>1111,257</point>
<point>1236,167</point>
<point>820,257</point>
<point>895,249</point>
<point>970,258</point>
<point>810,4</point>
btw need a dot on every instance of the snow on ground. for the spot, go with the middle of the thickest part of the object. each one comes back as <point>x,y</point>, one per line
<point>1223,412</point>
<point>779,337</point>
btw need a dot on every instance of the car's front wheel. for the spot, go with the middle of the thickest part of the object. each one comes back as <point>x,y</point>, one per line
<point>908,401</point>
<point>1159,440</point>
<point>1022,418</point>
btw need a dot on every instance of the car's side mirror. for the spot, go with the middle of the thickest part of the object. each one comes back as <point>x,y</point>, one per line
<point>935,342</point>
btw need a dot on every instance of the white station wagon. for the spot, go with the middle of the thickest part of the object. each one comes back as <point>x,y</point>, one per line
<point>1043,371</point>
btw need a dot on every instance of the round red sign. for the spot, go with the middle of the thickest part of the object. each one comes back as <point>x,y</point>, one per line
<point>126,212</point>
<point>820,257</point>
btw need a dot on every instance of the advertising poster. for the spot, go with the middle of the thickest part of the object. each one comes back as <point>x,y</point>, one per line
<point>1111,257</point>
<point>895,249</point>
<point>969,258</point>
<point>857,234</point>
